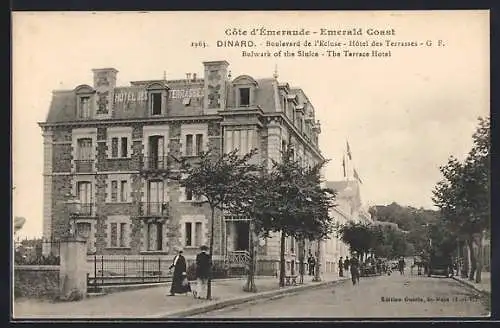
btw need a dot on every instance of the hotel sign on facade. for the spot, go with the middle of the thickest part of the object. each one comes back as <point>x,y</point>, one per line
<point>141,95</point>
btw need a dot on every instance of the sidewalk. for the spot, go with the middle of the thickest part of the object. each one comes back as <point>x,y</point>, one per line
<point>483,287</point>
<point>153,302</point>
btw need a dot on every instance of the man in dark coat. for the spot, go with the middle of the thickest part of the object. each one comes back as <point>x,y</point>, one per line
<point>341,267</point>
<point>179,265</point>
<point>354,265</point>
<point>311,262</point>
<point>346,265</point>
<point>202,272</point>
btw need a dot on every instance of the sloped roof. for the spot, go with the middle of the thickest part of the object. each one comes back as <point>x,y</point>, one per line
<point>265,95</point>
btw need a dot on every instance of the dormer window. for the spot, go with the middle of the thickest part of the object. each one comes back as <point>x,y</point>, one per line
<point>157,95</point>
<point>244,97</point>
<point>84,101</point>
<point>244,91</point>
<point>84,104</point>
<point>156,103</point>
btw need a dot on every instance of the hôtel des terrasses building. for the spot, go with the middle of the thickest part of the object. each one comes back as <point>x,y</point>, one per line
<point>114,148</point>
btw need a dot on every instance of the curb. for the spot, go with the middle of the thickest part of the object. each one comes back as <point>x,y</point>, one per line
<point>105,290</point>
<point>472,285</point>
<point>204,308</point>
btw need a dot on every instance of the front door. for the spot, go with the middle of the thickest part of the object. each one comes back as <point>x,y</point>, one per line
<point>242,235</point>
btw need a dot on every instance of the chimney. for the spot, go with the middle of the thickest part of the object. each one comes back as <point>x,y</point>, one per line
<point>194,77</point>
<point>105,78</point>
<point>188,76</point>
<point>104,84</point>
<point>215,86</point>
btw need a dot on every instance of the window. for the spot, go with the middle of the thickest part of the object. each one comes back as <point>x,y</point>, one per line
<point>155,198</point>
<point>84,149</point>
<point>186,101</point>
<point>244,97</point>
<point>114,191</point>
<point>156,103</point>
<point>242,140</point>
<point>189,145</point>
<point>123,191</point>
<point>194,138</point>
<point>197,233</point>
<point>84,193</point>
<point>155,236</point>
<point>156,153</point>
<point>114,234</point>
<point>117,234</point>
<point>189,194</point>
<point>123,229</point>
<point>84,107</point>
<point>114,147</point>
<point>118,145</point>
<point>124,147</point>
<point>119,191</point>
<point>199,144</point>
<point>193,234</point>
<point>189,231</point>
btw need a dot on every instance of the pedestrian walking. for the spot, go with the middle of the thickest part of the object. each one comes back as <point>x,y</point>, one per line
<point>311,262</point>
<point>401,265</point>
<point>179,266</point>
<point>341,267</point>
<point>346,264</point>
<point>202,272</point>
<point>354,266</point>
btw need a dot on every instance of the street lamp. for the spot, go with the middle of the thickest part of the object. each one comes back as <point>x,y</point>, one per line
<point>73,206</point>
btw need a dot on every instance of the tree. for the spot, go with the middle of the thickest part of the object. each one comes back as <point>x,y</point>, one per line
<point>219,180</point>
<point>293,203</point>
<point>359,236</point>
<point>463,195</point>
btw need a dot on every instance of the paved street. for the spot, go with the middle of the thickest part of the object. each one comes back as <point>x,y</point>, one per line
<point>409,296</point>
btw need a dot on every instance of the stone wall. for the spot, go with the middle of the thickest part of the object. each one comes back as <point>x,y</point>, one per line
<point>36,281</point>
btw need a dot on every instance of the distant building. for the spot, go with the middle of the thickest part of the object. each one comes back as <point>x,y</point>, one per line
<point>115,147</point>
<point>349,209</point>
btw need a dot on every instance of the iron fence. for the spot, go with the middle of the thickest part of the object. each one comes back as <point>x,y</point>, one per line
<point>114,271</point>
<point>155,163</point>
<point>154,209</point>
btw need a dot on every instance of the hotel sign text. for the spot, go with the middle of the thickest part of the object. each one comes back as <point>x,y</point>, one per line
<point>142,95</point>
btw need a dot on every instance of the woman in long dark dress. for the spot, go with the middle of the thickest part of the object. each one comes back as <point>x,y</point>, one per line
<point>179,265</point>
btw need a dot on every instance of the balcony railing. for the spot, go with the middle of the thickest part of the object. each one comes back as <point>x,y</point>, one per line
<point>154,209</point>
<point>155,163</point>
<point>84,165</point>
<point>85,210</point>
<point>238,258</point>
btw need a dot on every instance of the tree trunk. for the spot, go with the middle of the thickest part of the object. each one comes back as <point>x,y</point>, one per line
<point>282,260</point>
<point>211,249</point>
<point>466,259</point>
<point>478,254</point>
<point>250,284</point>
<point>317,271</point>
<point>302,255</point>
<point>472,257</point>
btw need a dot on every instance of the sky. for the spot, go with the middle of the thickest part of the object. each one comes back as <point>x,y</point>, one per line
<point>402,115</point>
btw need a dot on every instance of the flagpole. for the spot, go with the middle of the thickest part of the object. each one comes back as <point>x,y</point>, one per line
<point>347,166</point>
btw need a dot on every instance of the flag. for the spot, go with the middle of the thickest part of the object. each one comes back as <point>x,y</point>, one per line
<point>348,150</point>
<point>343,165</point>
<point>356,176</point>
